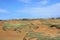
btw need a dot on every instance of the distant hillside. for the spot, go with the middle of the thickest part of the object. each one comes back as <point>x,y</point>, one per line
<point>30,29</point>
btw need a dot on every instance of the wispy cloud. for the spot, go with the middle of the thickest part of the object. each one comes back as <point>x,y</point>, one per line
<point>25,1</point>
<point>3,11</point>
<point>49,11</point>
<point>42,2</point>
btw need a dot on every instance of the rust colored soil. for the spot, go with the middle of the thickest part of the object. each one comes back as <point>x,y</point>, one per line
<point>53,32</point>
<point>12,35</point>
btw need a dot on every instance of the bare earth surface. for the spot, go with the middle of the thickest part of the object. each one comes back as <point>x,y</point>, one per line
<point>43,29</point>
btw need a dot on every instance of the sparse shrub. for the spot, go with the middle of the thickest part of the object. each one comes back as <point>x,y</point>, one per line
<point>1,20</point>
<point>52,18</point>
<point>34,26</point>
<point>33,38</point>
<point>41,19</point>
<point>39,36</point>
<point>7,26</point>
<point>34,35</point>
<point>25,19</point>
<point>58,18</point>
<point>57,26</point>
<point>52,25</point>
<point>15,27</point>
<point>57,38</point>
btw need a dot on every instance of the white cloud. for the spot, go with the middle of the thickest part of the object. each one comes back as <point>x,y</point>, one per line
<point>25,1</point>
<point>43,2</point>
<point>3,11</point>
<point>52,10</point>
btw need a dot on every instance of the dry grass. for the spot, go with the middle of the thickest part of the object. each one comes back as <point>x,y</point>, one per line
<point>37,27</point>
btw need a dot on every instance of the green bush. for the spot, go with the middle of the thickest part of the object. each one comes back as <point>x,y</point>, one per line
<point>39,36</point>
<point>34,35</point>
<point>57,38</point>
<point>41,19</point>
<point>56,25</point>
<point>7,26</point>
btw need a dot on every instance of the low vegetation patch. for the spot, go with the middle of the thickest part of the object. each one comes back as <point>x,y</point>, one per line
<point>39,36</point>
<point>57,26</point>
<point>15,27</point>
<point>7,26</point>
<point>34,26</point>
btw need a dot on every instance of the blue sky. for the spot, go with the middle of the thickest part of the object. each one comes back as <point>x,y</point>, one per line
<point>12,9</point>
